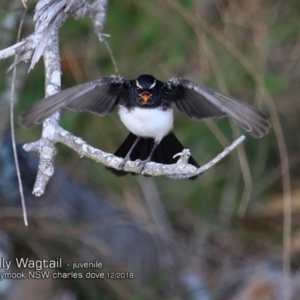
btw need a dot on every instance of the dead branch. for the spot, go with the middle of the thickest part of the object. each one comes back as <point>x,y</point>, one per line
<point>180,170</point>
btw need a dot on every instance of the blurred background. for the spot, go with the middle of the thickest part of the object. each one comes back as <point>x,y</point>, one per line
<point>225,235</point>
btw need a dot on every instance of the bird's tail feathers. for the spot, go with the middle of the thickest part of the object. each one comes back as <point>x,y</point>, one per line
<point>167,148</point>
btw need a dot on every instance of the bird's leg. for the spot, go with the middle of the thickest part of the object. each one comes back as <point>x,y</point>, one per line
<point>143,162</point>
<point>127,157</point>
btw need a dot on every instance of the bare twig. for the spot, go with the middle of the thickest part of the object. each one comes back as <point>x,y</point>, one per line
<point>24,3</point>
<point>55,133</point>
<point>50,15</point>
<point>12,128</point>
<point>102,38</point>
<point>12,50</point>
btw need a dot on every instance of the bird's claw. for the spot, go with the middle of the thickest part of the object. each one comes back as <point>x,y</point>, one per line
<point>123,163</point>
<point>142,164</point>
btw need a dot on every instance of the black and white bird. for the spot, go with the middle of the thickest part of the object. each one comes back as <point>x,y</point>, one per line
<point>145,108</point>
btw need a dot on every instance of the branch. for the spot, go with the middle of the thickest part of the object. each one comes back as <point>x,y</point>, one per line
<point>180,170</point>
<point>12,50</point>
<point>50,15</point>
<point>52,86</point>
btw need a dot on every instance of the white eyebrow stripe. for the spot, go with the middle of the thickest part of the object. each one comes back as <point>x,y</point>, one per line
<point>153,84</point>
<point>138,85</point>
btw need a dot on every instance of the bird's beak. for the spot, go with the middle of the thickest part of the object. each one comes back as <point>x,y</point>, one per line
<point>145,96</point>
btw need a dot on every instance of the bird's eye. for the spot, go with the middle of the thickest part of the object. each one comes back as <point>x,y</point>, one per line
<point>152,89</point>
<point>138,89</point>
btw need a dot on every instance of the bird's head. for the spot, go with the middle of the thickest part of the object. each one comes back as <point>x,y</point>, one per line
<point>146,89</point>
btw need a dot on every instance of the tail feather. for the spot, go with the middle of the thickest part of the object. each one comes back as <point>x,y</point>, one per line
<point>167,148</point>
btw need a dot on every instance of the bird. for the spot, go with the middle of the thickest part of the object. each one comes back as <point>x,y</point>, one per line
<point>146,109</point>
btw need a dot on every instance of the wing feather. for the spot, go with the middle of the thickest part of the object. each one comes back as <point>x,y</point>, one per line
<point>98,96</point>
<point>200,102</point>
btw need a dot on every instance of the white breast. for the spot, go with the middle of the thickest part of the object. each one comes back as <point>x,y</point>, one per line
<point>147,122</point>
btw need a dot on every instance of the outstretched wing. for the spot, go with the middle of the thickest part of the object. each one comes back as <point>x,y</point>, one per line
<point>98,96</point>
<point>200,102</point>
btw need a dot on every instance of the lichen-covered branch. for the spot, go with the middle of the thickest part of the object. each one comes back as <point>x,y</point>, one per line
<point>46,147</point>
<point>50,15</point>
<point>180,170</point>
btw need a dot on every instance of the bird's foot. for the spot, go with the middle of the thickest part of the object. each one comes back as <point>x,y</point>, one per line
<point>123,163</point>
<point>142,163</point>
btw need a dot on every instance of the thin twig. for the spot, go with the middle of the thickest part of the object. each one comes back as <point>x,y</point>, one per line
<point>24,3</point>
<point>12,50</point>
<point>12,128</point>
<point>102,38</point>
